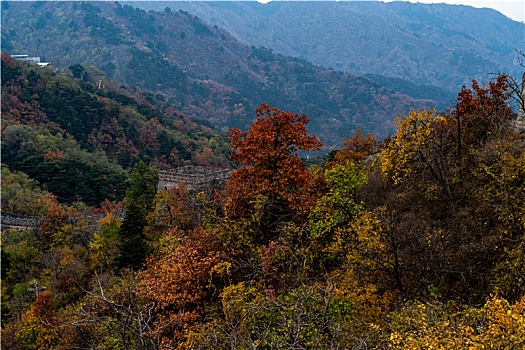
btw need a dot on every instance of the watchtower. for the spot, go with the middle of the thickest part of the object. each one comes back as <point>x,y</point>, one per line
<point>195,178</point>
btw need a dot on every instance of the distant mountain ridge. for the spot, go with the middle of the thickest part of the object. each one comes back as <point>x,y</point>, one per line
<point>202,70</point>
<point>428,44</point>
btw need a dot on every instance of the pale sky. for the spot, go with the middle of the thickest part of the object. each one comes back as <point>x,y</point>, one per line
<point>514,9</point>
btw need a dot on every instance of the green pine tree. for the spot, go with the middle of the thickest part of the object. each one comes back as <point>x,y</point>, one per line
<point>140,198</point>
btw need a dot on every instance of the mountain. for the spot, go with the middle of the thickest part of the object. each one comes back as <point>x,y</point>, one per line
<point>80,139</point>
<point>428,44</point>
<point>203,71</point>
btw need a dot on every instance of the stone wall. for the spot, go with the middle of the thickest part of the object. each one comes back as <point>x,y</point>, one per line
<point>24,221</point>
<point>195,178</point>
<point>11,219</point>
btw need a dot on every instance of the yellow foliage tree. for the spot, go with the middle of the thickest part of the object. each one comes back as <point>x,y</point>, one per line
<point>497,325</point>
<point>423,154</point>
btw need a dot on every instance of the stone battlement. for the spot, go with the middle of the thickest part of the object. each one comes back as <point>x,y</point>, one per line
<point>24,221</point>
<point>195,178</point>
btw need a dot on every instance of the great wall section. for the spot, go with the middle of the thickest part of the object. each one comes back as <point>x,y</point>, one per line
<point>25,222</point>
<point>195,179</point>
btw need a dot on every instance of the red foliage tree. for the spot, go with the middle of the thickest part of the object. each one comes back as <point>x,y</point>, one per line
<point>271,167</point>
<point>483,109</point>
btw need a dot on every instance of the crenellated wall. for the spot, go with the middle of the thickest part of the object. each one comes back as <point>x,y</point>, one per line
<point>195,178</point>
<point>12,220</point>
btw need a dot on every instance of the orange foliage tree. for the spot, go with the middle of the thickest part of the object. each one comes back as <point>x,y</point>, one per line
<point>272,173</point>
<point>38,328</point>
<point>356,148</point>
<point>182,283</point>
<point>56,218</point>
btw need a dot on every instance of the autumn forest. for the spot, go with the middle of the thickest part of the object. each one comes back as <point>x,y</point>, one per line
<point>412,241</point>
<point>406,235</point>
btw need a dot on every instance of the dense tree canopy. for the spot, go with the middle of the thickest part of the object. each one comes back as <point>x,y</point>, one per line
<point>413,242</point>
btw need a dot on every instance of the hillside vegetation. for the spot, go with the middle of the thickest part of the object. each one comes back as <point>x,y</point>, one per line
<point>411,237</point>
<point>427,44</point>
<point>80,141</point>
<point>416,241</point>
<point>201,69</point>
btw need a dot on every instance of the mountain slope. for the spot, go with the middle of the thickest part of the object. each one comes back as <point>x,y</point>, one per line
<point>436,44</point>
<point>79,140</point>
<point>202,70</point>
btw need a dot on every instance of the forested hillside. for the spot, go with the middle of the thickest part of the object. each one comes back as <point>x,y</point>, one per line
<point>412,242</point>
<point>408,234</point>
<point>201,69</point>
<point>80,140</point>
<point>434,44</point>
